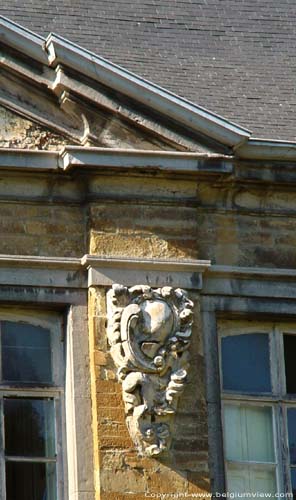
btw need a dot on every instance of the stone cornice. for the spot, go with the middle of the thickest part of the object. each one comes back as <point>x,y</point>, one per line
<point>56,54</point>
<point>40,261</point>
<point>250,282</point>
<point>251,272</point>
<point>148,264</point>
<point>76,157</point>
<point>153,272</point>
<point>65,272</point>
<point>200,275</point>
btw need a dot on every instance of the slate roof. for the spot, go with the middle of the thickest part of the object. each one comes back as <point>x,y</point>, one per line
<point>234,57</point>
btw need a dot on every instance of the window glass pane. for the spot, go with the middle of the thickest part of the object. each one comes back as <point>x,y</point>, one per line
<point>290,354</point>
<point>248,433</point>
<point>238,481</point>
<point>250,481</point>
<point>262,481</point>
<point>30,481</point>
<point>245,363</point>
<point>29,427</point>
<point>291,413</point>
<point>293,480</point>
<point>26,353</point>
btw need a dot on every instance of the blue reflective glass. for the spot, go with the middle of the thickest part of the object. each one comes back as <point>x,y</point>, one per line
<point>291,412</point>
<point>26,353</point>
<point>245,363</point>
<point>293,481</point>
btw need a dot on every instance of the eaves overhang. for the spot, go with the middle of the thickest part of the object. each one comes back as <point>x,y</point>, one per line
<point>56,53</point>
<point>73,158</point>
<point>23,40</point>
<point>61,51</point>
<point>263,149</point>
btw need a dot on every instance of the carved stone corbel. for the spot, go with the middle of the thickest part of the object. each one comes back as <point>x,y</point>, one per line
<point>149,334</point>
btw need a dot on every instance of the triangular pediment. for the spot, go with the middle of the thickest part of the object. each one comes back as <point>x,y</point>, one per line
<point>19,132</point>
<point>74,97</point>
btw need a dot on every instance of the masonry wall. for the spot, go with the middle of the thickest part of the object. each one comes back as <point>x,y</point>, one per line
<point>120,473</point>
<point>230,221</point>
<point>69,215</point>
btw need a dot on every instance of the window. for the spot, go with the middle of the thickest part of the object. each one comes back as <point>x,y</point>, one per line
<point>258,387</point>
<point>31,394</point>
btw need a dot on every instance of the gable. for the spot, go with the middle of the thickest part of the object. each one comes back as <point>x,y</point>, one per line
<point>93,102</point>
<point>89,101</point>
<point>26,95</point>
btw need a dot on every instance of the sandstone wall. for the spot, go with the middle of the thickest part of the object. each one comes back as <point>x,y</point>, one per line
<point>229,222</point>
<point>120,473</point>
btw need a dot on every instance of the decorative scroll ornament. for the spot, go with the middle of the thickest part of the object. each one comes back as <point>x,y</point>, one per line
<point>149,334</point>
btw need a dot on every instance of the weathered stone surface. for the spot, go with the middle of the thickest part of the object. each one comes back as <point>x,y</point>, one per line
<point>116,455</point>
<point>18,132</point>
<point>149,334</point>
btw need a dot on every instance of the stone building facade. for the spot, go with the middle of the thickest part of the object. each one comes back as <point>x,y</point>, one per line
<point>107,179</point>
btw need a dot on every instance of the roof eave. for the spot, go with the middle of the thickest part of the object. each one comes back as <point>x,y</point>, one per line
<point>56,50</point>
<point>196,118</point>
<point>100,159</point>
<point>23,40</point>
<point>263,149</point>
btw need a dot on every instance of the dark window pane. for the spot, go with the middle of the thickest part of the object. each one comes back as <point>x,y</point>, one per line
<point>29,427</point>
<point>292,434</point>
<point>26,353</point>
<point>245,363</point>
<point>290,353</point>
<point>293,480</point>
<point>30,481</point>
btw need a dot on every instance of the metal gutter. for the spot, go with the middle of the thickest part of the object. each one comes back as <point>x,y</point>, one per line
<point>261,149</point>
<point>27,42</point>
<point>161,160</point>
<point>56,50</point>
<point>95,158</point>
<point>73,157</point>
<point>61,51</point>
<point>18,159</point>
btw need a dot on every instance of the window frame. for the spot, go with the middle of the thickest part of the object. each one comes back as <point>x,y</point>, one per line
<point>52,321</point>
<point>60,285</point>
<point>277,399</point>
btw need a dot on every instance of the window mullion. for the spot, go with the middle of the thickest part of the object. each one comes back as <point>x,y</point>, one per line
<point>280,361</point>
<point>285,451</point>
<point>2,455</point>
<point>19,458</point>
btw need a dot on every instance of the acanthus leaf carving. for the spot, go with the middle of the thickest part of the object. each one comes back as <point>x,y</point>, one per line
<point>149,335</point>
